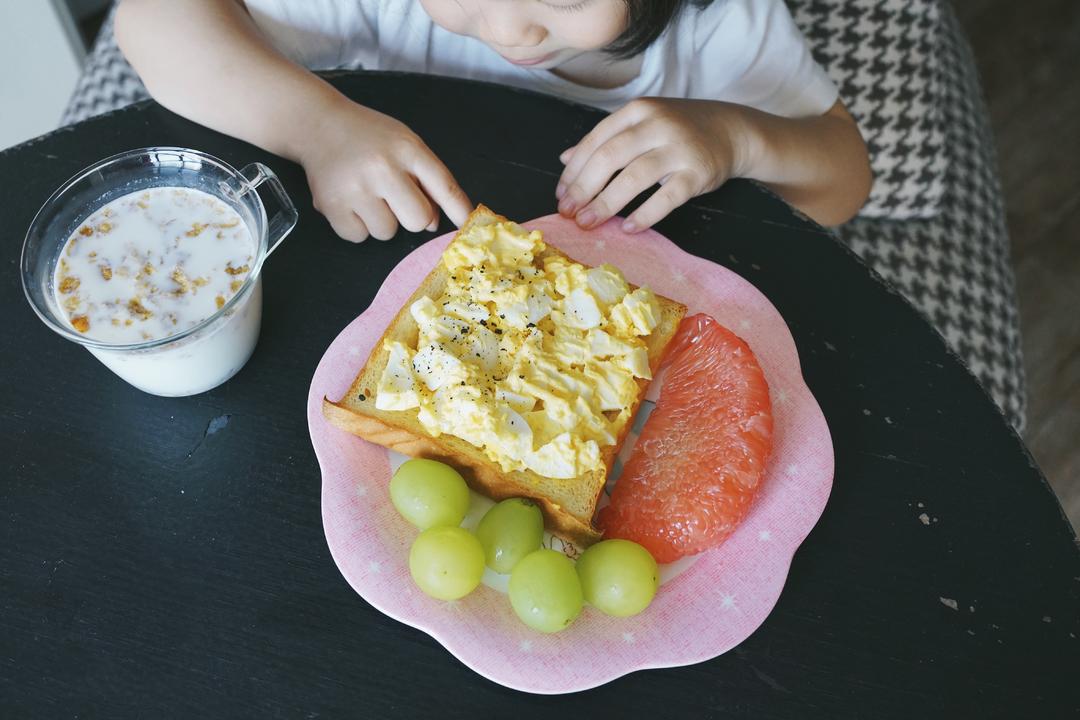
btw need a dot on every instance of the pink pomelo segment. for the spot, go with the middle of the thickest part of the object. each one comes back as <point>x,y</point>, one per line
<point>701,457</point>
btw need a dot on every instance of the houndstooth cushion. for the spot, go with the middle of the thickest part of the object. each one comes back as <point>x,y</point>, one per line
<point>884,56</point>
<point>107,82</point>
<point>956,267</point>
<point>920,107</point>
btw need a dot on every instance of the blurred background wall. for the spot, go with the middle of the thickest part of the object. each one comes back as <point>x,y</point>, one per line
<point>41,55</point>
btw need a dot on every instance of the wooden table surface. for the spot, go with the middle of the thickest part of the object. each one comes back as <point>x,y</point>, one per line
<point>149,566</point>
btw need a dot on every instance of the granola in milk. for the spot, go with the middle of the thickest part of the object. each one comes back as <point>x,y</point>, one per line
<point>151,264</point>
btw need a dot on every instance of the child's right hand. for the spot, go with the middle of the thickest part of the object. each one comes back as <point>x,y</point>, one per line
<point>369,172</point>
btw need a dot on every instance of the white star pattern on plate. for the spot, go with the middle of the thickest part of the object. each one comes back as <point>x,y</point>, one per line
<point>678,276</point>
<point>601,244</point>
<point>374,567</point>
<point>628,637</point>
<point>791,469</point>
<point>526,646</point>
<point>361,490</point>
<point>781,396</point>
<point>354,351</point>
<point>764,536</point>
<point>745,324</point>
<point>727,602</point>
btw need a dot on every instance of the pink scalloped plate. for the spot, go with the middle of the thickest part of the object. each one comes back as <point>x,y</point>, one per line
<point>713,603</point>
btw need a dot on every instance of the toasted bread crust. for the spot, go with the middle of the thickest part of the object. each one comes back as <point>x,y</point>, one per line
<point>481,475</point>
<point>568,505</point>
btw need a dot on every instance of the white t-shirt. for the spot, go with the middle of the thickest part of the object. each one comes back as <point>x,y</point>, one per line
<point>741,51</point>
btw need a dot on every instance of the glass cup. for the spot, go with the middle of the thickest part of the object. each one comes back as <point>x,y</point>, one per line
<point>207,354</point>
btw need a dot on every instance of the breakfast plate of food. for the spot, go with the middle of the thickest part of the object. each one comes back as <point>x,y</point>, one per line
<point>567,455</point>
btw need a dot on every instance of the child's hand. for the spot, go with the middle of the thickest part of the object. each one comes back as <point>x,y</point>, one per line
<point>369,172</point>
<point>688,146</point>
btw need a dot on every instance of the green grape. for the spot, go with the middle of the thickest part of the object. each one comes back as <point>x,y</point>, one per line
<point>509,531</point>
<point>545,591</point>
<point>618,577</point>
<point>446,562</point>
<point>429,493</point>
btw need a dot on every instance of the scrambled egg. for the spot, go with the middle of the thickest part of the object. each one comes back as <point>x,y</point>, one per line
<point>533,361</point>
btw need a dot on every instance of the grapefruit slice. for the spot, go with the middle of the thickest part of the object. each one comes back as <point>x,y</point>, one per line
<point>701,457</point>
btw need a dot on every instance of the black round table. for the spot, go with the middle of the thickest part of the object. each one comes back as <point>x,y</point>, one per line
<point>156,560</point>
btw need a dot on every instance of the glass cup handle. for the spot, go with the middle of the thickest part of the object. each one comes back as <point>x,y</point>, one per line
<point>284,220</point>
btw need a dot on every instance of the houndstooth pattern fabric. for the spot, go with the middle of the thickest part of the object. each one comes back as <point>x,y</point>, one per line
<point>107,82</point>
<point>956,266</point>
<point>922,99</point>
<point>884,56</point>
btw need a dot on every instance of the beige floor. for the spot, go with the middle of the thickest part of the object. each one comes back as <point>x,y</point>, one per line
<point>1028,55</point>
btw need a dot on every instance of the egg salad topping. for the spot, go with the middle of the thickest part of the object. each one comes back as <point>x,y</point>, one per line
<point>532,360</point>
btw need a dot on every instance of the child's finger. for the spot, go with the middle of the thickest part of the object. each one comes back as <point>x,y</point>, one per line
<point>413,209</point>
<point>378,218</point>
<point>677,190</point>
<point>348,225</point>
<point>604,130</point>
<point>441,187</point>
<point>608,159</point>
<point>637,177</point>
<point>560,186</point>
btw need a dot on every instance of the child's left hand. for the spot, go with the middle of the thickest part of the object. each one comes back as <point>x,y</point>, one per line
<point>689,147</point>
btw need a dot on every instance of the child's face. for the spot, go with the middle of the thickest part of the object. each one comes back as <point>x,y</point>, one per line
<point>536,33</point>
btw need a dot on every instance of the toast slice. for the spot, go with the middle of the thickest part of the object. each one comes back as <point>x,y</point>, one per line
<point>568,505</point>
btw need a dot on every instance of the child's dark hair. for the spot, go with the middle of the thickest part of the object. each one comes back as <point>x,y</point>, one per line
<point>646,21</point>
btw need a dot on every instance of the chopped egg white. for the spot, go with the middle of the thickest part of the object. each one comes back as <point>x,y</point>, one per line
<point>535,362</point>
<point>397,386</point>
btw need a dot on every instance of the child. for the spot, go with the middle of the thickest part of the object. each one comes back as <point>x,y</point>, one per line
<point>700,92</point>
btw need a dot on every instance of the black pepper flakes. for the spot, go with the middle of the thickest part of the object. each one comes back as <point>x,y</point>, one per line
<point>362,397</point>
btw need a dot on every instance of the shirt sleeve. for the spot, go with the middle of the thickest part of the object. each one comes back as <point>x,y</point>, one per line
<point>750,52</point>
<point>318,34</point>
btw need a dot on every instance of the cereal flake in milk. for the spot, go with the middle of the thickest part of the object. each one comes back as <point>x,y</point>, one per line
<point>152,264</point>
